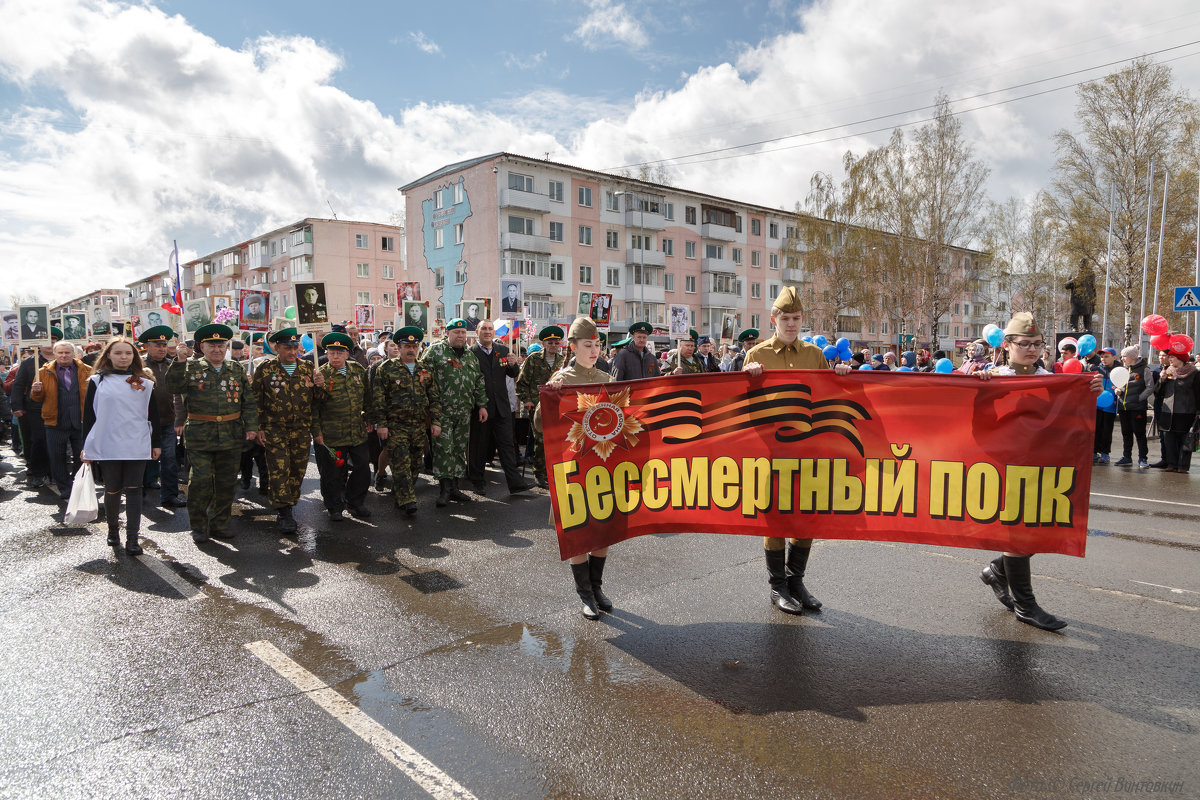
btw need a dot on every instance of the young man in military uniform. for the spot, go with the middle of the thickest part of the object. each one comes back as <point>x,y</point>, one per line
<point>342,415</point>
<point>747,339</point>
<point>460,384</point>
<point>405,402</point>
<point>785,350</point>
<point>221,414</point>
<point>684,361</point>
<point>165,470</point>
<point>536,370</point>
<point>635,359</point>
<point>286,390</point>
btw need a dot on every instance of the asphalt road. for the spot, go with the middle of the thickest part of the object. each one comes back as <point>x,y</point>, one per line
<point>446,655</point>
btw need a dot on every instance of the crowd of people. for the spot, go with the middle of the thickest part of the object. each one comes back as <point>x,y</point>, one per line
<point>190,420</point>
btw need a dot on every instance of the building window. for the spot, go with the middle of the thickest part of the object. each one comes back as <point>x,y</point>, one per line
<point>301,265</point>
<point>737,255</point>
<point>754,320</point>
<point>756,291</point>
<point>439,199</point>
<point>773,230</point>
<point>585,234</point>
<point>387,271</point>
<point>714,251</point>
<point>772,291</point>
<point>387,243</point>
<point>520,225</point>
<point>585,274</point>
<point>669,282</point>
<point>556,231</point>
<point>641,242</point>
<point>727,283</point>
<point>439,277</point>
<point>689,249</point>
<point>585,196</point>
<point>302,236</point>
<point>611,201</point>
<point>774,260</point>
<point>756,258</point>
<point>614,276</point>
<point>689,215</point>
<point>522,183</point>
<point>389,299</point>
<point>956,314</point>
<point>689,284</point>
<point>363,298</point>
<point>458,233</point>
<point>556,191</point>
<point>613,239</point>
<point>556,271</point>
<point>526,264</point>
<point>283,245</point>
<point>670,213</point>
<point>668,247</point>
<point>460,272</point>
<point>459,193</point>
<point>362,270</point>
<point>361,240</point>
<point>439,237</point>
<point>755,227</point>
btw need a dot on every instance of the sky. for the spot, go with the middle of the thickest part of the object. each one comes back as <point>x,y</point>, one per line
<point>127,125</point>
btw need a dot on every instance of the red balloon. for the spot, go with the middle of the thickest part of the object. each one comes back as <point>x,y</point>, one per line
<point>1181,345</point>
<point>1073,366</point>
<point>1155,324</point>
<point>1160,342</point>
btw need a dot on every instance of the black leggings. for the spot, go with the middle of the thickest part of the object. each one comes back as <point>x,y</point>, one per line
<point>123,477</point>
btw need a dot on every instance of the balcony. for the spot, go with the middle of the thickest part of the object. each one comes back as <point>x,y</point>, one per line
<point>229,270</point>
<point>654,294</point>
<point>722,233</point>
<point>529,201</point>
<point>645,220</point>
<point>201,279</point>
<point>711,299</point>
<point>718,265</point>
<point>296,250</point>
<point>793,275</point>
<point>525,241</point>
<point>651,258</point>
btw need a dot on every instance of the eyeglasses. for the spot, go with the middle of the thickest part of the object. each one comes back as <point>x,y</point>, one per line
<point>1028,345</point>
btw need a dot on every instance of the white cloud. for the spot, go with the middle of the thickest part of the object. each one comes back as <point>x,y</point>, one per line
<point>530,61</point>
<point>425,44</point>
<point>610,23</point>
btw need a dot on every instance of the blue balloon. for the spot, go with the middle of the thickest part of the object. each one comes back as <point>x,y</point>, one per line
<point>1105,400</point>
<point>944,365</point>
<point>1086,344</point>
<point>819,340</point>
<point>806,339</point>
<point>844,350</point>
<point>306,342</point>
<point>842,343</point>
<point>866,367</point>
<point>830,352</point>
<point>904,369</point>
<point>994,337</point>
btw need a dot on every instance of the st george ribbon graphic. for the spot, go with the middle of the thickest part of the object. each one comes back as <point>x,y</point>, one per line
<point>947,460</point>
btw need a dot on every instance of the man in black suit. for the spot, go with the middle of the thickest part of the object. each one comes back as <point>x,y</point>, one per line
<point>497,365</point>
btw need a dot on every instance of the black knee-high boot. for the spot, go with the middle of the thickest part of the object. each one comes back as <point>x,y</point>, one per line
<point>596,572</point>
<point>583,585</point>
<point>994,576</point>
<point>797,560</point>
<point>781,598</point>
<point>112,515</point>
<point>133,520</point>
<point>1021,586</point>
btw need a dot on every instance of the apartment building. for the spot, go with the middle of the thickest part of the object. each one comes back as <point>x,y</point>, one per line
<point>359,263</point>
<point>116,299</point>
<point>559,230</point>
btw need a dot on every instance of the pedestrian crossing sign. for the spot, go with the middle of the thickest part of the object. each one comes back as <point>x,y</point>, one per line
<point>1187,298</point>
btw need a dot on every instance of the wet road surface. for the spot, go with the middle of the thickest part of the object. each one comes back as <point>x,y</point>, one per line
<point>455,634</point>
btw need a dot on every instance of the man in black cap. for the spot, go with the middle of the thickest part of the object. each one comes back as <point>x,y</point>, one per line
<point>498,364</point>
<point>747,339</point>
<point>165,471</point>
<point>704,354</point>
<point>635,359</point>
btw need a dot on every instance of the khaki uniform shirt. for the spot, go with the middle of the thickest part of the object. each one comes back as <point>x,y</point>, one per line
<point>774,354</point>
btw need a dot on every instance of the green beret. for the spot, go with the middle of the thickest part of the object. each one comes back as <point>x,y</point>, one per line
<point>454,324</point>
<point>551,333</point>
<point>692,333</point>
<point>623,342</point>
<point>788,301</point>
<point>749,333</point>
<point>213,332</point>
<point>338,341</point>
<point>55,333</point>
<point>159,333</point>
<point>285,336</point>
<point>603,336</point>
<point>410,334</point>
<point>641,327</point>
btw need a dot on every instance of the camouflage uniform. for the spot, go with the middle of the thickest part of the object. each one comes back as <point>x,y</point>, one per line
<point>690,366</point>
<point>406,404</point>
<point>535,372</point>
<point>214,448</point>
<point>460,383</point>
<point>341,414</point>
<point>285,405</point>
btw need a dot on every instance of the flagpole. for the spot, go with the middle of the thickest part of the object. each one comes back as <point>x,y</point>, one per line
<point>1146,256</point>
<point>1112,192</point>
<point>1162,227</point>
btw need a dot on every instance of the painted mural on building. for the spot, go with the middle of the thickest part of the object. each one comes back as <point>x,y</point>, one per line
<point>443,217</point>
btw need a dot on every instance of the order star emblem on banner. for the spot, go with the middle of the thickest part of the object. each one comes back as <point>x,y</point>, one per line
<point>602,423</point>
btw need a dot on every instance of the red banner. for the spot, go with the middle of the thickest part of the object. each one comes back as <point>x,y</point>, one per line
<point>1004,464</point>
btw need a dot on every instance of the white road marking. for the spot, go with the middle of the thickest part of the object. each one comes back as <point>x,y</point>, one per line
<point>177,583</point>
<point>1146,500</point>
<point>1160,586</point>
<point>422,771</point>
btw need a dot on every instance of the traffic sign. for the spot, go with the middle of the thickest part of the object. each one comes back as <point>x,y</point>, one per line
<point>1187,298</point>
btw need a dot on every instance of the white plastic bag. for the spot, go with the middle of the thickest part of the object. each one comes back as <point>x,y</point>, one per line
<point>83,507</point>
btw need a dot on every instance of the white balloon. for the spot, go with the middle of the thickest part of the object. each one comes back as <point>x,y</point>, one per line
<point>1119,377</point>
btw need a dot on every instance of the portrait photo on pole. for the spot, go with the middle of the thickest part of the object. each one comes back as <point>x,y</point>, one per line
<point>473,312</point>
<point>196,313</point>
<point>311,307</point>
<point>114,304</point>
<point>680,321</point>
<point>601,308</point>
<point>408,290</point>
<point>74,326</point>
<point>101,320</point>
<point>485,307</point>
<point>585,305</point>
<point>416,314</point>
<point>512,297</point>
<point>253,307</point>
<point>364,317</point>
<point>10,323</point>
<point>727,325</point>
<point>156,317</point>
<point>35,325</point>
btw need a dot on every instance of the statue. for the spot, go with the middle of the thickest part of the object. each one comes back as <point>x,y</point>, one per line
<point>1083,296</point>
